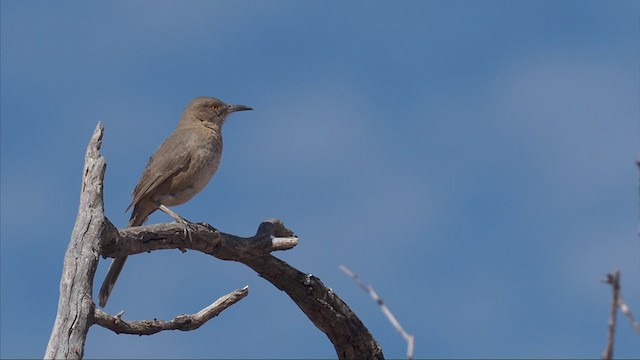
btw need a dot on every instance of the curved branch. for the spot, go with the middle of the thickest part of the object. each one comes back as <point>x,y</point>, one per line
<point>323,307</point>
<point>180,322</point>
<point>350,338</point>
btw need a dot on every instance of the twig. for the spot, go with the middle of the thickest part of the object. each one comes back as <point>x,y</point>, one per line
<point>180,322</point>
<point>612,279</point>
<point>369,289</point>
<point>627,312</point>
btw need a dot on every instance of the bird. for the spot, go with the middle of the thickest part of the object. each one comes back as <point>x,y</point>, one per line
<point>178,170</point>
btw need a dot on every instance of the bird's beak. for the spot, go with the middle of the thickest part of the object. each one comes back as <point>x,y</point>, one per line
<point>234,108</point>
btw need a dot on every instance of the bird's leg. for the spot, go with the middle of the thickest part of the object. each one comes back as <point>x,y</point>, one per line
<point>174,215</point>
<point>179,219</point>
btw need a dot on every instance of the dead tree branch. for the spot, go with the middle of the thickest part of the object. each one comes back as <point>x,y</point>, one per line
<point>326,310</point>
<point>75,306</point>
<point>392,319</point>
<point>180,322</point>
<point>93,235</point>
<point>272,235</point>
<point>627,312</point>
<point>612,279</point>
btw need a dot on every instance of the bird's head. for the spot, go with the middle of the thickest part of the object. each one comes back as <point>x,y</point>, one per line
<point>209,112</point>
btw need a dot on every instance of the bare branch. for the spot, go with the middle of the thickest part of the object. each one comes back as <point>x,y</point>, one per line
<point>272,235</point>
<point>325,309</point>
<point>612,279</point>
<point>396,324</point>
<point>350,338</point>
<point>94,235</point>
<point>180,322</point>
<point>75,305</point>
<point>627,312</point>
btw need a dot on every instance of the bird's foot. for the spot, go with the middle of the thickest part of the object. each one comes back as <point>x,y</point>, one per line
<point>188,228</point>
<point>188,225</point>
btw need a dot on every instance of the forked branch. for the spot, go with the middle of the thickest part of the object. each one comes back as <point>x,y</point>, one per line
<point>94,235</point>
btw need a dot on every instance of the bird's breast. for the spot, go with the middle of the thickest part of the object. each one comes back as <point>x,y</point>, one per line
<point>204,160</point>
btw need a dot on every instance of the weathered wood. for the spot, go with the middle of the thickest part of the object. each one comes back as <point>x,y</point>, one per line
<point>94,235</point>
<point>180,322</point>
<point>350,338</point>
<point>75,306</point>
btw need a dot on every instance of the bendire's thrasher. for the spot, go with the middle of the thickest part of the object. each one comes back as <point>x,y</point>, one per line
<point>179,169</point>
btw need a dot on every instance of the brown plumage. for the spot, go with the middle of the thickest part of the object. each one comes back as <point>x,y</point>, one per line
<point>179,169</point>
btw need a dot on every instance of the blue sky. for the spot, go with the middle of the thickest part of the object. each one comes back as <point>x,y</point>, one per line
<point>473,160</point>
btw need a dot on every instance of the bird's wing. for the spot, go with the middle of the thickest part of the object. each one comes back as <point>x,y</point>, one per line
<point>170,159</point>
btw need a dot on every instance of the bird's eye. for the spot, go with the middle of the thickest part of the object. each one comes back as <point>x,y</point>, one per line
<point>215,107</point>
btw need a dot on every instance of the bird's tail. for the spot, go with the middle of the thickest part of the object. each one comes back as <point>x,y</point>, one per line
<point>116,265</point>
<point>110,280</point>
